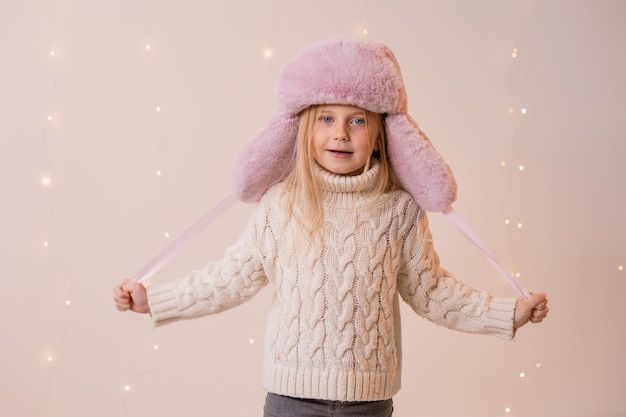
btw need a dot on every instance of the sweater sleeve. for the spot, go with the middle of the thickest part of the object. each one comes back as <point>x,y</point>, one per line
<point>435,294</point>
<point>217,287</point>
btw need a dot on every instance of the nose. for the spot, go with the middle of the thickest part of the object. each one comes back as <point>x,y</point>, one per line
<point>340,133</point>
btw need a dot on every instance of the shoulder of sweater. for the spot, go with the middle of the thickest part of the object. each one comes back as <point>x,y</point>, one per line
<point>275,194</point>
<point>403,201</point>
<point>406,208</point>
<point>275,197</point>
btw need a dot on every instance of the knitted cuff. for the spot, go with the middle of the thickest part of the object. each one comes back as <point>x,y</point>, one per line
<point>163,304</point>
<point>499,318</point>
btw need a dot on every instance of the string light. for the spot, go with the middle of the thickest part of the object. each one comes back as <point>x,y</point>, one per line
<point>158,108</point>
<point>166,234</point>
<point>268,53</point>
<point>538,365</point>
<point>156,347</point>
<point>147,47</point>
<point>520,168</point>
<point>251,341</point>
<point>365,19</point>
<point>46,179</point>
<point>503,164</point>
<point>48,121</point>
<point>158,173</point>
<point>620,268</point>
<point>126,388</point>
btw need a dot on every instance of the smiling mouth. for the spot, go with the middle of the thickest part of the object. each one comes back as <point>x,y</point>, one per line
<point>340,152</point>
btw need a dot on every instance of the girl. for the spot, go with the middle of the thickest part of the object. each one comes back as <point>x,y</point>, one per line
<point>344,177</point>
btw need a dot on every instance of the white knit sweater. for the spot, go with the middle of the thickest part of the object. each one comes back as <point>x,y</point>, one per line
<point>333,331</point>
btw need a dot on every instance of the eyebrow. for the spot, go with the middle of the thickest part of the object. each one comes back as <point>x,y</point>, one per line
<point>359,113</point>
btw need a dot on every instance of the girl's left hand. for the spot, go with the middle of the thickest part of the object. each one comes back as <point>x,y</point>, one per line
<point>533,310</point>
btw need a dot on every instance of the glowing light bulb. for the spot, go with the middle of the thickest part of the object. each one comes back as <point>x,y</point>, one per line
<point>511,110</point>
<point>158,108</point>
<point>147,47</point>
<point>156,347</point>
<point>45,244</point>
<point>517,275</point>
<point>51,53</point>
<point>49,117</point>
<point>50,358</point>
<point>620,268</point>
<point>166,234</point>
<point>251,341</point>
<point>126,388</point>
<point>521,167</point>
<point>46,181</point>
<point>503,164</point>
<point>158,173</point>
<point>507,410</point>
<point>365,32</point>
<point>538,365</point>
<point>519,225</point>
<point>268,53</point>
<point>522,374</point>
<point>514,53</point>
<point>523,111</point>
<point>67,302</point>
<point>507,221</point>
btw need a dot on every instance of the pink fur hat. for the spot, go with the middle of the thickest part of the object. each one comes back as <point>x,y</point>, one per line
<point>352,71</point>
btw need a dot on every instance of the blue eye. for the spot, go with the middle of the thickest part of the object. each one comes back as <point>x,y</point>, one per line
<point>359,121</point>
<point>326,119</point>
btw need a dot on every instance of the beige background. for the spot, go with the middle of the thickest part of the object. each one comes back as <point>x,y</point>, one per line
<point>105,212</point>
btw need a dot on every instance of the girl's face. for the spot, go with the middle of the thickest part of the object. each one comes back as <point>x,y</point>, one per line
<point>340,142</point>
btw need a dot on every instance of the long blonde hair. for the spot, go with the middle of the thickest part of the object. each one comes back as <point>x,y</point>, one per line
<point>304,185</point>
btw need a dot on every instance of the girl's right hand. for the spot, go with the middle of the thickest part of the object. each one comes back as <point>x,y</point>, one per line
<point>131,296</point>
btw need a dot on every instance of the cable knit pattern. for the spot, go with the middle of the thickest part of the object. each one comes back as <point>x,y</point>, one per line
<point>333,330</point>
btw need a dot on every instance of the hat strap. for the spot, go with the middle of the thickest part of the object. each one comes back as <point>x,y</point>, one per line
<point>467,231</point>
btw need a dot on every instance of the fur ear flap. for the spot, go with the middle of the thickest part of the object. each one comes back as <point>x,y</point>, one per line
<point>267,159</point>
<point>418,166</point>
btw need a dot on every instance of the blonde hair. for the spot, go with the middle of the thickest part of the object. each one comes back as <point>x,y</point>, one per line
<point>305,186</point>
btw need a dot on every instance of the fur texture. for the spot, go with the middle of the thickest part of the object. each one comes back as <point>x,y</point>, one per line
<point>353,71</point>
<point>267,159</point>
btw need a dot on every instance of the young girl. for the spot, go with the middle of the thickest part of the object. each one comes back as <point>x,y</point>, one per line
<point>344,177</point>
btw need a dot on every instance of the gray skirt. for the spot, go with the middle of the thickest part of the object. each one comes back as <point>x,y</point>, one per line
<point>282,406</point>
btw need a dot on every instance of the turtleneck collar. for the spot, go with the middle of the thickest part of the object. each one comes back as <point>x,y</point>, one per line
<point>348,184</point>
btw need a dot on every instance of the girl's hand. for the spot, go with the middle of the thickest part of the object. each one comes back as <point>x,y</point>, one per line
<point>533,310</point>
<point>131,296</point>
